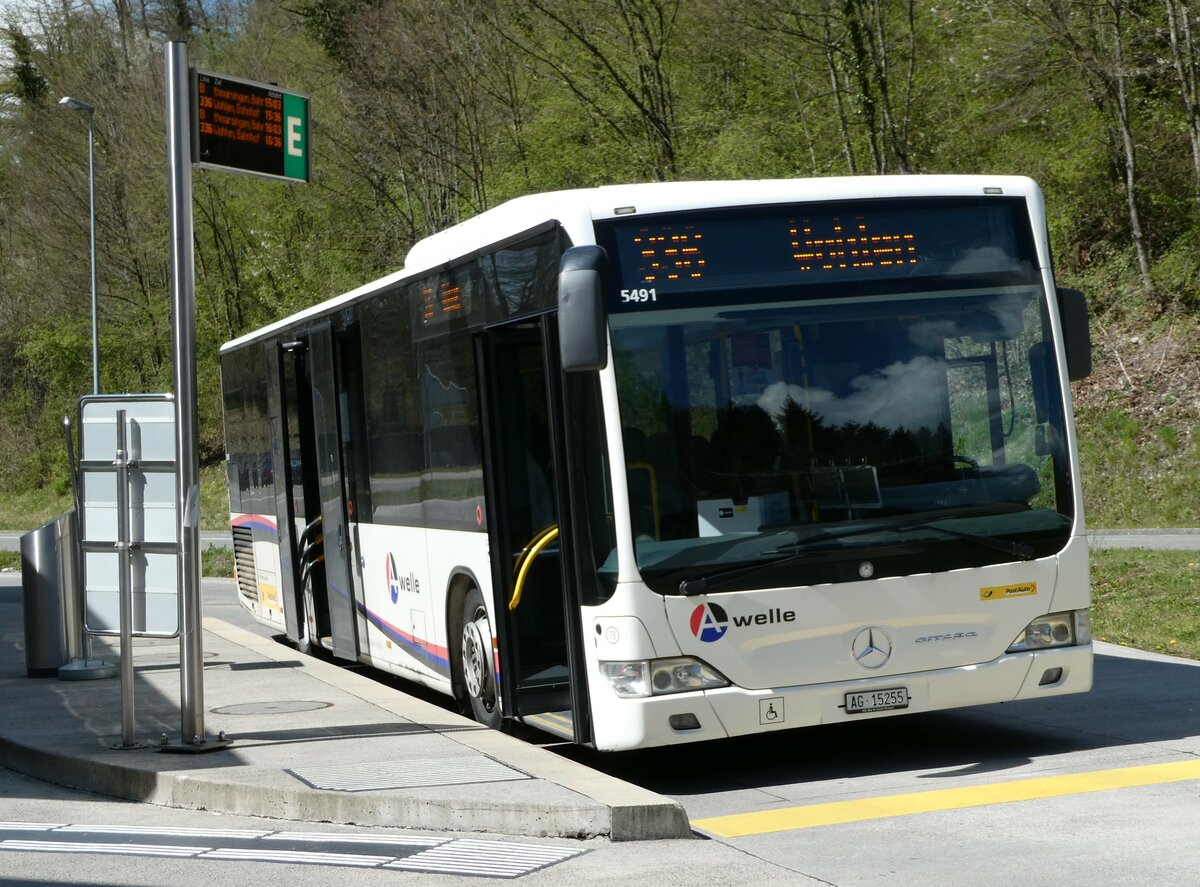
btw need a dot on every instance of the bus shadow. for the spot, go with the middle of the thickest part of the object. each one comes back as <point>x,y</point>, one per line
<point>1133,701</point>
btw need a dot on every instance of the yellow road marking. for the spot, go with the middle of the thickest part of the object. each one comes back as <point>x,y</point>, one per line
<point>835,812</point>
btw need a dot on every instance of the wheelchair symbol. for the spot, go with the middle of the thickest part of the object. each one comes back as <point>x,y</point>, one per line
<point>770,711</point>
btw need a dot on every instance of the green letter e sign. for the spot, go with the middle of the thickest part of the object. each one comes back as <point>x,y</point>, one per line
<point>296,163</point>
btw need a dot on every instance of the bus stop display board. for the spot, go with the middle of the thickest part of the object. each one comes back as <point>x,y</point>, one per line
<point>255,128</point>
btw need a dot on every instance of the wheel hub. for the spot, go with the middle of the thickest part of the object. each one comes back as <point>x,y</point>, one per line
<point>476,672</point>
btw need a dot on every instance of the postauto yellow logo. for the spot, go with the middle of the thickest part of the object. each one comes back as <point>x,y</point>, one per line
<point>1003,592</point>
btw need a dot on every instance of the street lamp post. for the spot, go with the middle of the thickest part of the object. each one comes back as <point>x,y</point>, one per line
<point>77,105</point>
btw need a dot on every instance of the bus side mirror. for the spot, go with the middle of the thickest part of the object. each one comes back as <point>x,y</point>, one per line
<point>1072,308</point>
<point>582,339</point>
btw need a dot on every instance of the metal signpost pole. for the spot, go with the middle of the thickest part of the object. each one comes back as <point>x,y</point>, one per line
<point>266,133</point>
<point>79,105</point>
<point>187,446</point>
<point>92,216</point>
<point>124,585</point>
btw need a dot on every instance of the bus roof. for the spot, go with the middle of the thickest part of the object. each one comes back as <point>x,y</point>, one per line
<point>576,210</point>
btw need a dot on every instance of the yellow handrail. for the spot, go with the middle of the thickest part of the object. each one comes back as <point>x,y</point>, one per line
<point>537,537</point>
<point>548,536</point>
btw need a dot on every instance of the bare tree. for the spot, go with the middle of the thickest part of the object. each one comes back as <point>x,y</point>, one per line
<point>1185,57</point>
<point>1095,36</point>
<point>868,52</point>
<point>612,55</point>
<point>420,113</point>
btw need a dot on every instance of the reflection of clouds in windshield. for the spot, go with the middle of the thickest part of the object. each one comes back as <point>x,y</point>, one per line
<point>1009,317</point>
<point>929,335</point>
<point>1001,318</point>
<point>776,397</point>
<point>983,260</point>
<point>902,395</point>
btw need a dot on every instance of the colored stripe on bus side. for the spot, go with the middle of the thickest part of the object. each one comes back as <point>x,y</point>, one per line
<point>437,658</point>
<point>255,521</point>
<point>432,655</point>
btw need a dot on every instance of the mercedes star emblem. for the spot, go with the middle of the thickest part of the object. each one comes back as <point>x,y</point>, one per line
<point>872,647</point>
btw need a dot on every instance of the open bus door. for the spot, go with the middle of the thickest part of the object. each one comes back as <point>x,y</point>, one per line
<point>310,506</point>
<point>284,416</point>
<point>542,672</point>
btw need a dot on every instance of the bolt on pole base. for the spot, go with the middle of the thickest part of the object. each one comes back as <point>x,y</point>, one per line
<point>197,745</point>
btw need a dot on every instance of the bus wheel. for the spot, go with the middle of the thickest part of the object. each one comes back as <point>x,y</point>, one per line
<point>477,663</point>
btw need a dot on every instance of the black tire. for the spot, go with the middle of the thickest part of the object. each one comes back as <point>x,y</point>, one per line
<point>476,664</point>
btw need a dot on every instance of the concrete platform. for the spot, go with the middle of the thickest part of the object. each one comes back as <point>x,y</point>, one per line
<point>312,741</point>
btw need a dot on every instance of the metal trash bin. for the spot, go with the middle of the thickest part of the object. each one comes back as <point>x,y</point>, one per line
<point>48,588</point>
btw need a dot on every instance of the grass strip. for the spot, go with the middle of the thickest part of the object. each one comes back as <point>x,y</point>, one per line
<point>1146,599</point>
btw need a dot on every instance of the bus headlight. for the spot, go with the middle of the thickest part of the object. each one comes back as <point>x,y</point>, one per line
<point>659,677</point>
<point>1054,630</point>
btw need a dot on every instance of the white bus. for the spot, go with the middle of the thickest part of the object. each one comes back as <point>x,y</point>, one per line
<point>660,463</point>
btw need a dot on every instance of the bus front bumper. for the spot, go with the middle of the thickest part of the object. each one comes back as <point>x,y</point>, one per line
<point>734,711</point>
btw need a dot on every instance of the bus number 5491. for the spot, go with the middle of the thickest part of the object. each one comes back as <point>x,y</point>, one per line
<point>639,295</point>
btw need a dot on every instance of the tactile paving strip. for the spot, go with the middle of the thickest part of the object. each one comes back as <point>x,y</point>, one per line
<point>343,849</point>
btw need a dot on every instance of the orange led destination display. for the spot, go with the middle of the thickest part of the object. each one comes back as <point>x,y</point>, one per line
<point>884,245</point>
<point>850,245</point>
<point>444,301</point>
<point>670,253</point>
<point>249,127</point>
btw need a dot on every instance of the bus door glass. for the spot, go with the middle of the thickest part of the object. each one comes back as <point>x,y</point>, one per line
<point>315,479</point>
<point>339,601</point>
<point>356,487</point>
<point>537,606</point>
<point>299,506</point>
<point>283,418</point>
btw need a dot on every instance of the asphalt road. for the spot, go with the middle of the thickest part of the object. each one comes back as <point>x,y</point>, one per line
<point>1179,539</point>
<point>1091,789</point>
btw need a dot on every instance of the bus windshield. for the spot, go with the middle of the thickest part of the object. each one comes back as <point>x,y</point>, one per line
<point>876,394</point>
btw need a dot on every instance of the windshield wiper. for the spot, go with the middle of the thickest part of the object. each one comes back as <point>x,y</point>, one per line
<point>796,551</point>
<point>1019,550</point>
<point>803,548</point>
<point>699,585</point>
